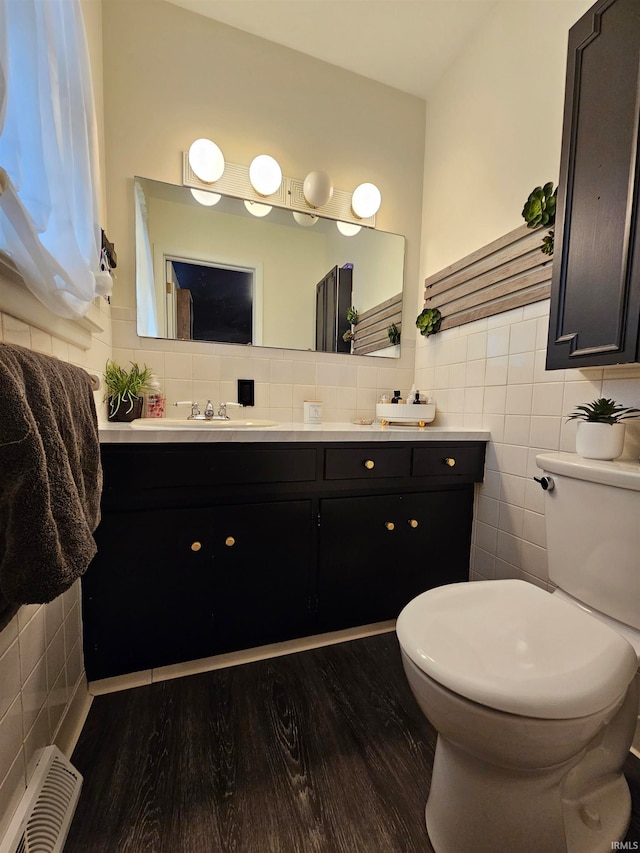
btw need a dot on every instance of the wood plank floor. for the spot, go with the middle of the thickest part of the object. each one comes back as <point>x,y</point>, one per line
<point>324,750</point>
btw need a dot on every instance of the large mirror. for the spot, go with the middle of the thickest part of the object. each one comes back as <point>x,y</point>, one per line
<point>284,279</point>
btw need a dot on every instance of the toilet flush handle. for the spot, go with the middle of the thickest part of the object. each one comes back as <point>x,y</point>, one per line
<point>546,482</point>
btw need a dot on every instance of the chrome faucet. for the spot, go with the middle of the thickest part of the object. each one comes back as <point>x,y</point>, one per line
<point>195,410</point>
<point>210,413</point>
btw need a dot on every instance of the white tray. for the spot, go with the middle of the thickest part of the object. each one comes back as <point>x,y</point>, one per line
<point>405,413</point>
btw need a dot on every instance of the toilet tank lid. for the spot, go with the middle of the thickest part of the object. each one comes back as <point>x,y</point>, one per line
<point>511,646</point>
<point>622,474</point>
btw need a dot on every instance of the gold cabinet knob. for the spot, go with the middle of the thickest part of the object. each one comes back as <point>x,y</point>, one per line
<point>229,541</point>
<point>389,525</point>
<point>195,546</point>
<point>450,461</point>
<point>413,522</point>
<point>369,464</point>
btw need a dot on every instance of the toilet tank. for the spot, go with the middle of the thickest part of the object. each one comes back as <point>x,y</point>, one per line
<point>592,519</point>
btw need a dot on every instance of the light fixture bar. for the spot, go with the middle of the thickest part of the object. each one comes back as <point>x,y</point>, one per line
<point>235,182</point>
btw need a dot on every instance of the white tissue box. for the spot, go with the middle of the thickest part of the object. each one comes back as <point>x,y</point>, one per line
<point>405,413</point>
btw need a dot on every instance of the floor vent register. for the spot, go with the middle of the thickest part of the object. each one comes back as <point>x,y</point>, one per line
<point>44,814</point>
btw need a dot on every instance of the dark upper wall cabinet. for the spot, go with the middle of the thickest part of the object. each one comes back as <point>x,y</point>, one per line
<point>595,297</point>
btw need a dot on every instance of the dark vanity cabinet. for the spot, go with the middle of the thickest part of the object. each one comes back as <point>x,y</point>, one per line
<point>595,299</point>
<point>211,548</point>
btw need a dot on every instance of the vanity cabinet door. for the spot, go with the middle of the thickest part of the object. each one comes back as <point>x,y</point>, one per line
<point>176,585</point>
<point>379,552</point>
<point>148,595</point>
<point>595,295</point>
<point>262,564</point>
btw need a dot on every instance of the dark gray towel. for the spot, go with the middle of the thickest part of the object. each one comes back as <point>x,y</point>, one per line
<point>50,476</point>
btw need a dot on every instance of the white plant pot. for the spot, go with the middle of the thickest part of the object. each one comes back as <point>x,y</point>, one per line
<point>599,441</point>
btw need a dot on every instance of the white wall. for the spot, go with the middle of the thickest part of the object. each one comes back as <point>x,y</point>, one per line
<point>493,133</point>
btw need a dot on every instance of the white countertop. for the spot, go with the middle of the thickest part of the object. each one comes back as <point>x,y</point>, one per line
<point>124,433</point>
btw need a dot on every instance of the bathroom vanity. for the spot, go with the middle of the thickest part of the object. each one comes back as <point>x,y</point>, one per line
<point>215,542</point>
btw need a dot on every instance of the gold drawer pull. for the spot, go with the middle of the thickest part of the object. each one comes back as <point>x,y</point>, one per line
<point>450,461</point>
<point>195,546</point>
<point>389,525</point>
<point>369,464</point>
<point>413,522</point>
<point>229,541</point>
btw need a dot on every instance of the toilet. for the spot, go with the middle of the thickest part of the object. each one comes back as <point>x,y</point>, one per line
<point>534,695</point>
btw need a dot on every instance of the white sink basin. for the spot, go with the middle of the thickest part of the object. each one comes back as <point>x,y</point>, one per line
<point>184,423</point>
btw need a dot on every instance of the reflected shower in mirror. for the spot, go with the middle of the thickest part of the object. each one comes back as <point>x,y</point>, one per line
<point>217,272</point>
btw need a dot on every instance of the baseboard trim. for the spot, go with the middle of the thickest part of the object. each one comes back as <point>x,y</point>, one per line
<point>73,719</point>
<point>194,667</point>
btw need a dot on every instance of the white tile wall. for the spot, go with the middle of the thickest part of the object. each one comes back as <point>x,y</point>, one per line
<point>506,389</point>
<point>348,387</point>
<point>41,666</point>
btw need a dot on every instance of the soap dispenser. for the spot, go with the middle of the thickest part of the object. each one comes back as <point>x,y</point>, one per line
<point>396,397</point>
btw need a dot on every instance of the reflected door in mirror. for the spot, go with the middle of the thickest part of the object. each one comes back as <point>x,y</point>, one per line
<point>333,300</point>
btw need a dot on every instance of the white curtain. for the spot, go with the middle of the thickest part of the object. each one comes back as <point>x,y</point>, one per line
<point>145,284</point>
<point>49,222</point>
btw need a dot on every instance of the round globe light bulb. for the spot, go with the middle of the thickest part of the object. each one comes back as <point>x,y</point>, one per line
<point>304,219</point>
<point>257,209</point>
<point>206,160</point>
<point>366,200</point>
<point>317,189</point>
<point>265,174</point>
<point>348,229</point>
<point>205,197</point>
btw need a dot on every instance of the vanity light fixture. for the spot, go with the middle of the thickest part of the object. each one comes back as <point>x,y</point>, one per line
<point>206,198</point>
<point>265,174</point>
<point>206,160</point>
<point>366,200</point>
<point>257,209</point>
<point>317,189</point>
<point>304,219</point>
<point>348,229</point>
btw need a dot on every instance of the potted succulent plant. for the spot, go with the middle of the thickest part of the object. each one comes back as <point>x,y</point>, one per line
<point>600,433</point>
<point>124,390</point>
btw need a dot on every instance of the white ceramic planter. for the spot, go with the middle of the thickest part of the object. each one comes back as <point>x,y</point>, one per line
<point>599,441</point>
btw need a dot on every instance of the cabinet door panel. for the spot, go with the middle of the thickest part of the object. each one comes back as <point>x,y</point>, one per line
<point>376,553</point>
<point>148,594</point>
<point>262,567</point>
<point>170,585</point>
<point>595,299</point>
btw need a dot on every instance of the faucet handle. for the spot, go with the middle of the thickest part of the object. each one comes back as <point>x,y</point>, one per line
<point>195,408</point>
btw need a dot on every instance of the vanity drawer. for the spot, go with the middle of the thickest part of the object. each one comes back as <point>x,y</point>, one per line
<point>366,463</point>
<point>206,466</point>
<point>449,460</point>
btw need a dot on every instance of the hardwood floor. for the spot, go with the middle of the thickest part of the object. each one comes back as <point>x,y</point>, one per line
<point>324,750</point>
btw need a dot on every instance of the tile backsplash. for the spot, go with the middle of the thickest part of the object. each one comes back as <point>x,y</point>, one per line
<point>491,374</point>
<point>348,386</point>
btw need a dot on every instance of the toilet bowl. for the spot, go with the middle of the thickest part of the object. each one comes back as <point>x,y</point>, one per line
<point>535,705</point>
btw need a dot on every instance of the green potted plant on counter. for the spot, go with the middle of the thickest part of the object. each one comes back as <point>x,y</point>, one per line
<point>600,433</point>
<point>124,390</point>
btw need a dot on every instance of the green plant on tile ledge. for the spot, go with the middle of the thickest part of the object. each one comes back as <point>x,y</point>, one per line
<point>124,390</point>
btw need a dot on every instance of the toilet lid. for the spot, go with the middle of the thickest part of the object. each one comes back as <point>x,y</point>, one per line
<point>511,646</point>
